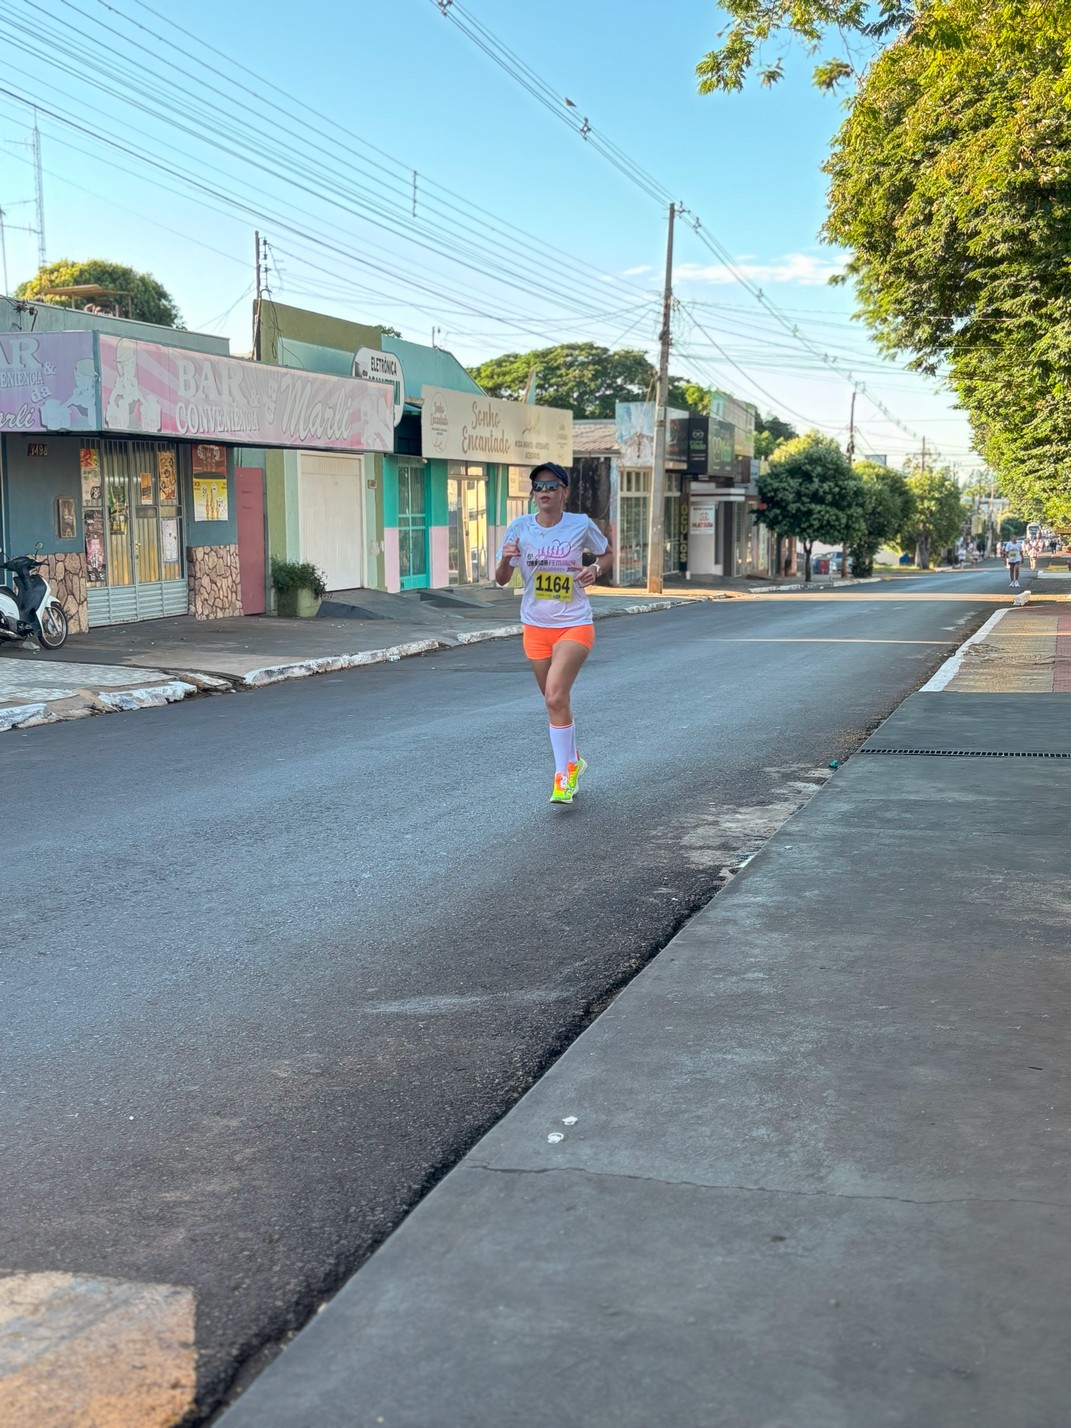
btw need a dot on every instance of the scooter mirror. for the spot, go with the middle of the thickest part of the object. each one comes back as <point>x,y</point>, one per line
<point>37,547</point>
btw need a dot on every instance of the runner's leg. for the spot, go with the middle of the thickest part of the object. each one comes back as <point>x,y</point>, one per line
<point>540,668</point>
<point>565,663</point>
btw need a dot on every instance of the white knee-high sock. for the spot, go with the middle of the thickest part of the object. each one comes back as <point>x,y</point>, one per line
<point>563,742</point>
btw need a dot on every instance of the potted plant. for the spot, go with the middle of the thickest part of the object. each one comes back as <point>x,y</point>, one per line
<point>299,587</point>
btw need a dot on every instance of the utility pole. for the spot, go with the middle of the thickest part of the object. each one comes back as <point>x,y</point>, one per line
<point>39,189</point>
<point>256,305</point>
<point>656,527</point>
<point>851,459</point>
<point>922,468</point>
<point>851,430</point>
<point>3,252</point>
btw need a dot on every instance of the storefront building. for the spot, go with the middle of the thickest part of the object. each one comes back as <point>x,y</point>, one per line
<point>489,447</point>
<point>428,513</point>
<point>711,516</point>
<point>439,513</point>
<point>118,458</point>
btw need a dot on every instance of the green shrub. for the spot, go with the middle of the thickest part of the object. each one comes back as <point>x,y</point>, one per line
<point>287,575</point>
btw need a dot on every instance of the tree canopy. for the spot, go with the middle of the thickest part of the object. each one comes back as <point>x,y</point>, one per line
<point>935,516</point>
<point>770,431</point>
<point>884,507</point>
<point>150,300</point>
<point>584,378</point>
<point>808,492</point>
<point>951,186</point>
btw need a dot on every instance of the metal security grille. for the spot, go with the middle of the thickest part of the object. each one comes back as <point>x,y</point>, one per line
<point>966,753</point>
<point>134,531</point>
<point>635,507</point>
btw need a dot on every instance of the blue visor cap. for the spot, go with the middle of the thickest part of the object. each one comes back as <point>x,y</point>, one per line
<point>557,471</point>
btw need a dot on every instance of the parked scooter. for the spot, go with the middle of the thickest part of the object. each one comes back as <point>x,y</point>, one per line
<point>30,611</point>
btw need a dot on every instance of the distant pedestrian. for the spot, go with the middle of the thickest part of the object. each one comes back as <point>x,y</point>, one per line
<point>559,632</point>
<point>1013,558</point>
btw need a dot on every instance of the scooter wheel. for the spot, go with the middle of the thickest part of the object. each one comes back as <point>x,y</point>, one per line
<point>53,626</point>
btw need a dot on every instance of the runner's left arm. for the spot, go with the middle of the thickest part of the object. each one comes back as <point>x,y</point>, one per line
<point>602,547</point>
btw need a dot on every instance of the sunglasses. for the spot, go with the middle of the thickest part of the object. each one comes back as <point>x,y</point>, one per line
<point>546,485</point>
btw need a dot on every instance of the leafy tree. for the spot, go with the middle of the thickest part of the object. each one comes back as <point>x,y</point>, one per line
<point>770,431</point>
<point>808,492</point>
<point>584,378</point>
<point>936,515</point>
<point>755,23</point>
<point>691,395</point>
<point>1012,527</point>
<point>885,507</point>
<point>951,184</point>
<point>580,376</point>
<point>150,300</point>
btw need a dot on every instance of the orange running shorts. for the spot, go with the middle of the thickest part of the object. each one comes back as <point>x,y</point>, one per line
<point>539,642</point>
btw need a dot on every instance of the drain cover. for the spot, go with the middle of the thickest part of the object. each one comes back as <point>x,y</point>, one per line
<point>967,753</point>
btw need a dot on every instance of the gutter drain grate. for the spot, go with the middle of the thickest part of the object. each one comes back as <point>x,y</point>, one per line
<point>966,753</point>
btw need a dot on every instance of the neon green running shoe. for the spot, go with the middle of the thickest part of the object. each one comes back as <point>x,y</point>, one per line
<point>562,791</point>
<point>575,772</point>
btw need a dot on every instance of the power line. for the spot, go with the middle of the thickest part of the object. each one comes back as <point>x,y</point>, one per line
<point>500,273</point>
<point>546,95</point>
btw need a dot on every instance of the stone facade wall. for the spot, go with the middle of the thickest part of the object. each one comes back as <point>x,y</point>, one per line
<point>67,576</point>
<point>215,588</point>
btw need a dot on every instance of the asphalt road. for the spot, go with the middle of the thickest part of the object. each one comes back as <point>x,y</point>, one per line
<point>275,960</point>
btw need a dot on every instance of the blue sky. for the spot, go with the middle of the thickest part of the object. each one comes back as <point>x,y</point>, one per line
<point>524,234</point>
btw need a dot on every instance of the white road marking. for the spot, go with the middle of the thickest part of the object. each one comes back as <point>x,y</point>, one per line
<point>950,668</point>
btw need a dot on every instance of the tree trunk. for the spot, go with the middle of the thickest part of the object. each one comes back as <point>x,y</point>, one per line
<point>922,552</point>
<point>844,561</point>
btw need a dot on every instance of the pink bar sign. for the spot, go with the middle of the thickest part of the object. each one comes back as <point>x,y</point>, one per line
<point>48,382</point>
<point>146,387</point>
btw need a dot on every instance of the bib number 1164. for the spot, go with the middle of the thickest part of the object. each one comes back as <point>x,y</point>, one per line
<point>553,585</point>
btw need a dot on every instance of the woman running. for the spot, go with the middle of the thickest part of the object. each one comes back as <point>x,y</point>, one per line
<point>549,546</point>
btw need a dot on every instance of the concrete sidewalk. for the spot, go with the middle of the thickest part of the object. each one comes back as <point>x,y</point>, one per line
<point>809,1170</point>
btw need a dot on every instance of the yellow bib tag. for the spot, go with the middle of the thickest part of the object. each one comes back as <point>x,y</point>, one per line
<point>553,585</point>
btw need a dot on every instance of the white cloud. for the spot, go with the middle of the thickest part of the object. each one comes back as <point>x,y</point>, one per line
<point>637,272</point>
<point>802,269</point>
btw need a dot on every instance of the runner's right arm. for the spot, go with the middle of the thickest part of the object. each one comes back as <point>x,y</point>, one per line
<point>509,557</point>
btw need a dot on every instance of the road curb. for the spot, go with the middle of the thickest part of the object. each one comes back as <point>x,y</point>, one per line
<point>329,664</point>
<point>950,668</point>
<point>26,716</point>
<point>153,696</point>
<point>195,682</point>
<point>828,585</point>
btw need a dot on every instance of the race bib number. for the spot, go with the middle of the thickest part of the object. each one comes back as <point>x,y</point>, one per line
<point>553,585</point>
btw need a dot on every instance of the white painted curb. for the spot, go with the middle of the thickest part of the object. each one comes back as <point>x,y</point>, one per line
<point>837,584</point>
<point>276,673</point>
<point>474,637</point>
<point>119,701</point>
<point>25,716</point>
<point>950,668</point>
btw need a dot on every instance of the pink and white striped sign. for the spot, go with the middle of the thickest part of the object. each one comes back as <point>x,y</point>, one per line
<point>146,387</point>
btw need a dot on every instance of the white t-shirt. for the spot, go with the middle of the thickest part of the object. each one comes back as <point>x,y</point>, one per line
<point>550,563</point>
<point>1013,552</point>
